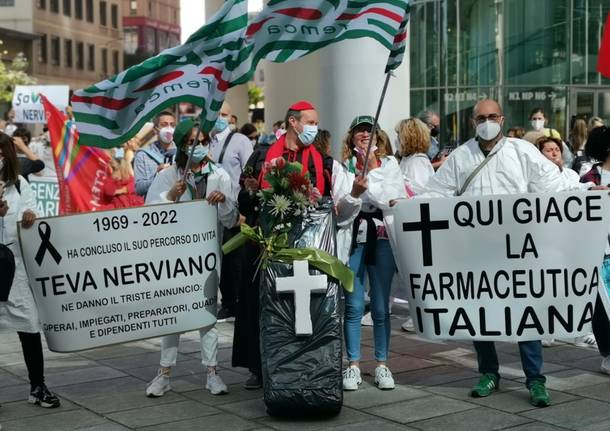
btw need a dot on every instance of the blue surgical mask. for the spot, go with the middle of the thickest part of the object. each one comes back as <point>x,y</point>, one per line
<point>221,124</point>
<point>308,134</point>
<point>201,151</point>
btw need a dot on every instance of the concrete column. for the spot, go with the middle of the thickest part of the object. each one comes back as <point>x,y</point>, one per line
<point>237,96</point>
<point>343,80</point>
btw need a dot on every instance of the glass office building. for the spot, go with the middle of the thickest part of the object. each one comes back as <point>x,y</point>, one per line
<point>524,53</point>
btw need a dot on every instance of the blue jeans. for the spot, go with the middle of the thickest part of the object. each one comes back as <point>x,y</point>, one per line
<point>380,284</point>
<point>531,359</point>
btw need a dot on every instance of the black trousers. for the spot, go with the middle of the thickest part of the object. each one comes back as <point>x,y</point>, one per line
<point>231,273</point>
<point>601,328</point>
<point>31,345</point>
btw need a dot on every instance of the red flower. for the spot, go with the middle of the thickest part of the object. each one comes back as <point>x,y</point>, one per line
<point>298,181</point>
<point>280,163</point>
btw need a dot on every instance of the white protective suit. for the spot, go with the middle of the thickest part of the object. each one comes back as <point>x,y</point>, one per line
<point>416,170</point>
<point>19,312</point>
<point>518,167</point>
<point>228,215</point>
<point>347,208</point>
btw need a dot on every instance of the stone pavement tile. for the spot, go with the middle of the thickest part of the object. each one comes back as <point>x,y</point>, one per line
<point>346,417</point>
<point>399,364</point>
<point>23,409</point>
<point>567,353</point>
<point>14,393</point>
<point>589,364</point>
<point>519,400</point>
<point>536,426</point>
<point>83,375</point>
<point>58,420</point>
<point>126,400</point>
<point>8,379</point>
<point>249,409</point>
<point>599,392</point>
<point>221,421</point>
<point>137,361</point>
<point>574,415</point>
<point>485,419</point>
<point>117,351</point>
<point>52,366</point>
<point>572,379</point>
<point>600,426</point>
<point>376,425</point>
<point>99,388</point>
<point>460,390</point>
<point>106,426</point>
<point>236,394</point>
<point>368,396</point>
<point>420,409</point>
<point>434,375</point>
<point>7,359</point>
<point>163,414</point>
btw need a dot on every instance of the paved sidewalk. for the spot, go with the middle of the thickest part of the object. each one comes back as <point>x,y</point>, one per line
<point>103,390</point>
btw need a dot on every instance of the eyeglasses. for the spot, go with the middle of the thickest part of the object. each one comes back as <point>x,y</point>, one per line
<point>199,141</point>
<point>491,117</point>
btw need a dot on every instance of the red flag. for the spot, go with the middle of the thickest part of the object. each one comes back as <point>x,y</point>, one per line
<point>603,59</point>
<point>81,170</point>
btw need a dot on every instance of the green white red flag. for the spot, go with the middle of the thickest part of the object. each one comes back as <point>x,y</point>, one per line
<point>287,30</point>
<point>199,71</point>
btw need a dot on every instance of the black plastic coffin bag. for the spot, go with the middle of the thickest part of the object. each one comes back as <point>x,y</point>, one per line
<point>7,272</point>
<point>302,374</point>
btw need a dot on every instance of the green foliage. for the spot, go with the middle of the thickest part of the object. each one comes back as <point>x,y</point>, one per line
<point>255,94</point>
<point>13,74</point>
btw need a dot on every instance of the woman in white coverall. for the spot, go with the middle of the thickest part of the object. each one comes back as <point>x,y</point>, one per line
<point>19,313</point>
<point>204,179</point>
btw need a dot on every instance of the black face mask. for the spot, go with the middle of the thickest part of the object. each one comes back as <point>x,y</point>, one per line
<point>434,132</point>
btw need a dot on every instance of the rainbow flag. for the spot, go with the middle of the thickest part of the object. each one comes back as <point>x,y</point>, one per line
<point>81,170</point>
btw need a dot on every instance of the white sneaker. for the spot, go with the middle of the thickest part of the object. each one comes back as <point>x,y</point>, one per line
<point>159,385</point>
<point>548,343</point>
<point>605,367</point>
<point>215,385</point>
<point>383,377</point>
<point>408,326</point>
<point>586,341</point>
<point>367,320</point>
<point>351,378</point>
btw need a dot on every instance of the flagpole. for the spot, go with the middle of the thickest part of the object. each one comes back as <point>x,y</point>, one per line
<point>375,127</point>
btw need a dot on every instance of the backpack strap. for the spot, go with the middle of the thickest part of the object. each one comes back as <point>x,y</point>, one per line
<point>224,147</point>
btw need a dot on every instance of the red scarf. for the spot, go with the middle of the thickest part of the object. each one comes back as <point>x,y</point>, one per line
<point>279,150</point>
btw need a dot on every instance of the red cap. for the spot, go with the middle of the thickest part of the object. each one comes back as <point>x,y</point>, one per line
<point>302,105</point>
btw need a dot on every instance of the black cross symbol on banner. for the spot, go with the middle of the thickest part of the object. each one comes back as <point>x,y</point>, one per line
<point>426,226</point>
<point>45,244</point>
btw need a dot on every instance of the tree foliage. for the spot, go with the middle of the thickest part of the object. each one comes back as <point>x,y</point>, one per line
<point>255,94</point>
<point>12,74</point>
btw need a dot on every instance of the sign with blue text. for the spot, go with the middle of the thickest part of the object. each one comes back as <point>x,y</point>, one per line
<point>508,268</point>
<point>116,276</point>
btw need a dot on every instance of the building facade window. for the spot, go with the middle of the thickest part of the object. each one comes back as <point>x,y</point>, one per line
<point>104,53</point>
<point>42,51</point>
<point>78,9</point>
<point>90,57</point>
<point>524,54</point>
<point>114,15</point>
<point>7,2</point>
<point>67,7</point>
<point>80,55</point>
<point>68,52</point>
<point>54,6</point>
<point>115,62</point>
<point>42,4</point>
<point>90,10</point>
<point>55,51</point>
<point>103,8</point>
<point>133,7</point>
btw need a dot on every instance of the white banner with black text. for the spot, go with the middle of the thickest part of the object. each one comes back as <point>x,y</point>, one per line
<point>110,277</point>
<point>507,268</point>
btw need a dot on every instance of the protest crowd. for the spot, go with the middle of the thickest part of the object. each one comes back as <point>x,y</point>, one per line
<point>231,166</point>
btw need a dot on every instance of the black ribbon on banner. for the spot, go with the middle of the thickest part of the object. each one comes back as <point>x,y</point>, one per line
<point>45,245</point>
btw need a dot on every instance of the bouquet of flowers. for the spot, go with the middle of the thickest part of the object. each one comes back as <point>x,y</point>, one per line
<point>289,198</point>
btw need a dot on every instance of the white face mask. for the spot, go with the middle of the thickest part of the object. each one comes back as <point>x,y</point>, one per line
<point>537,125</point>
<point>166,135</point>
<point>488,130</point>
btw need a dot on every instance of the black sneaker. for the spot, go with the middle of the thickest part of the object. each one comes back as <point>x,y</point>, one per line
<point>225,313</point>
<point>43,397</point>
<point>253,382</point>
